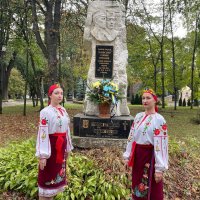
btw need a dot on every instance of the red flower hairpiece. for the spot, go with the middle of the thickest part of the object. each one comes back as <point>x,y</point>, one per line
<point>148,90</point>
<point>52,88</point>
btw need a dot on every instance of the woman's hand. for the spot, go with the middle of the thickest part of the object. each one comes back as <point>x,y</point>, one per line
<point>66,155</point>
<point>158,176</point>
<point>125,162</point>
<point>42,163</point>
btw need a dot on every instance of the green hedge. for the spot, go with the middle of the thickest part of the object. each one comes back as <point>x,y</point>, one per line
<point>18,172</point>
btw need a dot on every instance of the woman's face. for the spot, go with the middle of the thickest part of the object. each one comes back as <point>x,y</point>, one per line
<point>56,96</point>
<point>148,101</point>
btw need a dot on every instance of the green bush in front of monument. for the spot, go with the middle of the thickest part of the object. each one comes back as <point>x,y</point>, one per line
<point>18,173</point>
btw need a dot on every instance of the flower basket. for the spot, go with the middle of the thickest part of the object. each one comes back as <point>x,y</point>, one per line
<point>103,91</point>
<point>104,110</point>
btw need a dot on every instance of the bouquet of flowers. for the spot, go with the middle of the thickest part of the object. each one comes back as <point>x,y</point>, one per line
<point>104,91</point>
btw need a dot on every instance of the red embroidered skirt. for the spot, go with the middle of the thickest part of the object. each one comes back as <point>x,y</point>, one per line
<point>54,174</point>
<point>144,186</point>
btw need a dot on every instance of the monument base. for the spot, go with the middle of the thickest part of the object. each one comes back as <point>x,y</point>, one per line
<point>91,131</point>
<point>89,142</point>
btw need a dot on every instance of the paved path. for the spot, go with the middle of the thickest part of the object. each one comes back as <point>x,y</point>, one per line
<point>15,103</point>
<point>21,102</point>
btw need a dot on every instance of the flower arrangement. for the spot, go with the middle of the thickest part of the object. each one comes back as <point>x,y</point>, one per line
<point>104,91</point>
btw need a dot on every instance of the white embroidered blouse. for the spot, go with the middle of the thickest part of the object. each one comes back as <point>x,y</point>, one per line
<point>52,120</point>
<point>150,129</point>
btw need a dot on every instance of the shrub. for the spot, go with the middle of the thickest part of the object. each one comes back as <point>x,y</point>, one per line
<point>18,172</point>
<point>188,102</point>
<point>140,100</point>
<point>196,102</point>
<point>133,99</point>
<point>184,102</point>
<point>180,103</point>
<point>137,100</point>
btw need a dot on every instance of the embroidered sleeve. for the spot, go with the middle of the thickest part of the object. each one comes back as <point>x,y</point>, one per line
<point>127,153</point>
<point>43,148</point>
<point>69,141</point>
<point>68,135</point>
<point>161,146</point>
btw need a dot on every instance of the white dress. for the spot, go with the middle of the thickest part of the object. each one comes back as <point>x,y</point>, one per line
<point>52,121</point>
<point>150,129</point>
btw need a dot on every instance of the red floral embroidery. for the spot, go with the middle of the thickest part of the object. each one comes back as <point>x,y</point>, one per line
<point>43,121</point>
<point>141,190</point>
<point>147,165</point>
<point>156,131</point>
<point>62,172</point>
<point>141,187</point>
<point>164,127</point>
<point>145,175</point>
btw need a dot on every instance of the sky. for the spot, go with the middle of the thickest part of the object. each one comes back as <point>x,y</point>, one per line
<point>180,30</point>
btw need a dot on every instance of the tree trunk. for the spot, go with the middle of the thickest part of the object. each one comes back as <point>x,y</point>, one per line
<point>26,83</point>
<point>38,80</point>
<point>162,77</point>
<point>173,55</point>
<point>6,74</point>
<point>52,14</point>
<point>193,60</point>
<point>162,57</point>
<point>155,63</point>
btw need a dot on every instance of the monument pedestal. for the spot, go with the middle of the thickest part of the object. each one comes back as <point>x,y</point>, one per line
<point>92,131</point>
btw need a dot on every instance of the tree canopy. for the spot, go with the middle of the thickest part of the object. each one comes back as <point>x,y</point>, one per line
<point>44,41</point>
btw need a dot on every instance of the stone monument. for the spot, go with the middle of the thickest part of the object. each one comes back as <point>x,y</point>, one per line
<point>105,44</point>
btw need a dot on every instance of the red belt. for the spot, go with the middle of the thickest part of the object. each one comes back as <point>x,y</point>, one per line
<point>59,144</point>
<point>132,156</point>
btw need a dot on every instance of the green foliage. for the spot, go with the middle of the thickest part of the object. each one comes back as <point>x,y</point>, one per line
<point>137,99</point>
<point>18,172</point>
<point>180,103</point>
<point>16,84</point>
<point>132,99</point>
<point>184,102</point>
<point>188,102</point>
<point>18,168</point>
<point>196,103</point>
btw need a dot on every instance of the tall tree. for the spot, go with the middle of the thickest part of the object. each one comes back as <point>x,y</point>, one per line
<point>170,10</point>
<point>5,21</point>
<point>190,9</point>
<point>193,56</point>
<point>50,11</point>
<point>160,40</point>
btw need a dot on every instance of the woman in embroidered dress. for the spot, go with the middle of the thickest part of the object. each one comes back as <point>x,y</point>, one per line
<point>53,145</point>
<point>147,150</point>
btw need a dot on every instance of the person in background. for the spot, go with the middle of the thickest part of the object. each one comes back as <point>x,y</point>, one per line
<point>147,150</point>
<point>53,145</point>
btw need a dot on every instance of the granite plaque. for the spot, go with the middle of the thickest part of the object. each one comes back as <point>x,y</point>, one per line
<point>89,126</point>
<point>104,61</point>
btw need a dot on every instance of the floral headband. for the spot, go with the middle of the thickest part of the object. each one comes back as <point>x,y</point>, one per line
<point>150,91</point>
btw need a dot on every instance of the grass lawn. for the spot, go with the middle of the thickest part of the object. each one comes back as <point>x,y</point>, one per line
<point>180,122</point>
